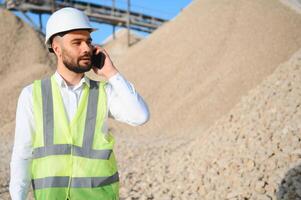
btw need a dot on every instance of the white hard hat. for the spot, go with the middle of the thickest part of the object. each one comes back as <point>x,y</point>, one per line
<point>66,19</point>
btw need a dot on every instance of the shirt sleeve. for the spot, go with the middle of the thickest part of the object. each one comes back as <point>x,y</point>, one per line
<point>22,150</point>
<point>124,103</point>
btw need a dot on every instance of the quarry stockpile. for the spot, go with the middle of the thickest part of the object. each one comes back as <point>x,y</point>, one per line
<point>119,46</point>
<point>252,153</point>
<point>22,56</point>
<point>196,67</point>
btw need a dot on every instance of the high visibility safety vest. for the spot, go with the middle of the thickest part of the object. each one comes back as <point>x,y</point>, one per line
<point>72,160</point>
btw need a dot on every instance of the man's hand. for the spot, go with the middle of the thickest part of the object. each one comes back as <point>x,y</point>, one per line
<point>108,70</point>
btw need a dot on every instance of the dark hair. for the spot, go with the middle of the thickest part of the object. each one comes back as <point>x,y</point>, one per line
<point>61,34</point>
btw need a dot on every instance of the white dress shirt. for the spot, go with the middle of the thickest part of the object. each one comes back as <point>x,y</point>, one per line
<point>124,104</point>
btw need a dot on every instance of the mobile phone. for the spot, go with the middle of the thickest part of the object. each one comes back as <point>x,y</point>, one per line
<point>98,59</point>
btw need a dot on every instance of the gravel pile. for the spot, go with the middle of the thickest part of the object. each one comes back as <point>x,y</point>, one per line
<point>253,152</point>
<point>196,67</point>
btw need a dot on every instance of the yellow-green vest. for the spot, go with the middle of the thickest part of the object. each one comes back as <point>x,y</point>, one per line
<point>72,160</point>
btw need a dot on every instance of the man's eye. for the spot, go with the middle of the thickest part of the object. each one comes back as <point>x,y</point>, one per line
<point>76,43</point>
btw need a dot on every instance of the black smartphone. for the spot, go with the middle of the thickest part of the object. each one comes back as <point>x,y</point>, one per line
<point>98,59</point>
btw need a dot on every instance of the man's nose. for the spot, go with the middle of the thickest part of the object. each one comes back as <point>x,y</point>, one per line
<point>86,47</point>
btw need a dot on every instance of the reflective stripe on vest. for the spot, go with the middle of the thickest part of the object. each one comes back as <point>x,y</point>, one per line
<point>86,151</point>
<point>63,181</point>
<point>64,149</point>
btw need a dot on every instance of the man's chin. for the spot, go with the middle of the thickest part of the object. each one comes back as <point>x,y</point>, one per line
<point>79,69</point>
<point>83,69</point>
<point>85,65</point>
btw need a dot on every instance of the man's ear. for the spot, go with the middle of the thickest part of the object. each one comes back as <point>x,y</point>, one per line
<point>56,46</point>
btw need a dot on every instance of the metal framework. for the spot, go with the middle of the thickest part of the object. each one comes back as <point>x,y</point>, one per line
<point>96,13</point>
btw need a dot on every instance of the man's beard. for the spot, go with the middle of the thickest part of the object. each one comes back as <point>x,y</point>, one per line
<point>74,65</point>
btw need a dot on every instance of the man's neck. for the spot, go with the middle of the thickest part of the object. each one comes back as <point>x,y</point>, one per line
<point>70,77</point>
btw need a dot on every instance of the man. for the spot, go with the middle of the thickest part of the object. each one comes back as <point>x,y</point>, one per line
<point>62,144</point>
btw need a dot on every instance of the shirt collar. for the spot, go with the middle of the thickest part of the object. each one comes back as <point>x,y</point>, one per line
<point>62,82</point>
